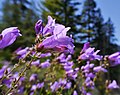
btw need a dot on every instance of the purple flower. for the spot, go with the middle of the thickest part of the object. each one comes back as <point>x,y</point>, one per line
<point>88,93</point>
<point>2,70</point>
<point>22,52</point>
<point>48,29</point>
<point>88,53</point>
<point>72,73</point>
<point>89,83</point>
<point>62,82</point>
<point>39,27</point>
<point>7,82</point>
<point>87,67</point>
<point>75,92</point>
<point>113,85</point>
<point>8,36</point>
<point>36,63</point>
<point>32,93</point>
<point>91,75</point>
<point>67,65</point>
<point>114,55</point>
<point>40,85</point>
<point>85,47</point>
<point>33,77</point>
<point>68,85</point>
<point>61,57</point>
<point>62,44</point>
<point>34,87</point>
<point>114,59</point>
<point>68,57</point>
<point>58,41</point>
<point>55,86</point>
<point>21,90</point>
<point>67,68</point>
<point>45,64</point>
<point>16,76</point>
<point>45,55</point>
<point>37,86</point>
<point>99,68</point>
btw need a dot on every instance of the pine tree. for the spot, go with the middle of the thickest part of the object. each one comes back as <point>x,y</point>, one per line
<point>93,28</point>
<point>111,46</point>
<point>99,33</point>
<point>105,38</point>
<point>89,16</point>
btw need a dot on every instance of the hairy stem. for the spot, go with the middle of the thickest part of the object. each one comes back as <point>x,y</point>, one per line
<point>27,66</point>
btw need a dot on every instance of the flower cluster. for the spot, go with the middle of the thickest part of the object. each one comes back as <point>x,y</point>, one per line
<point>89,72</point>
<point>68,66</point>
<point>58,40</point>
<point>48,67</point>
<point>88,53</point>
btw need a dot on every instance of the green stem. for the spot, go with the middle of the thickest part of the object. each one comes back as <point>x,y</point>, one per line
<point>14,68</point>
<point>21,74</point>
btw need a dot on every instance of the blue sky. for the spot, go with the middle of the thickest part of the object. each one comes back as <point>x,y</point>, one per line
<point>111,8</point>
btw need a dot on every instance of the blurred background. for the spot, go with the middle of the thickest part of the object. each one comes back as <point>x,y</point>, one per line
<point>94,21</point>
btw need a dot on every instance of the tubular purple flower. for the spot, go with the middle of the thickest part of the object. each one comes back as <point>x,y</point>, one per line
<point>63,44</point>
<point>91,75</point>
<point>45,64</point>
<point>55,86</point>
<point>36,63</point>
<point>16,76</point>
<point>88,53</point>
<point>40,85</point>
<point>37,86</point>
<point>21,90</point>
<point>75,92</point>
<point>68,85</point>
<point>32,93</point>
<point>99,68</point>
<point>68,68</point>
<point>34,87</point>
<point>33,77</point>
<point>22,52</point>
<point>114,55</point>
<point>62,82</point>
<point>7,82</point>
<point>85,47</point>
<point>61,58</point>
<point>88,93</point>
<point>39,27</point>
<point>58,41</point>
<point>2,70</point>
<point>72,73</point>
<point>8,36</point>
<point>114,59</point>
<point>87,67</point>
<point>113,85</point>
<point>43,55</point>
<point>69,57</point>
<point>48,29</point>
